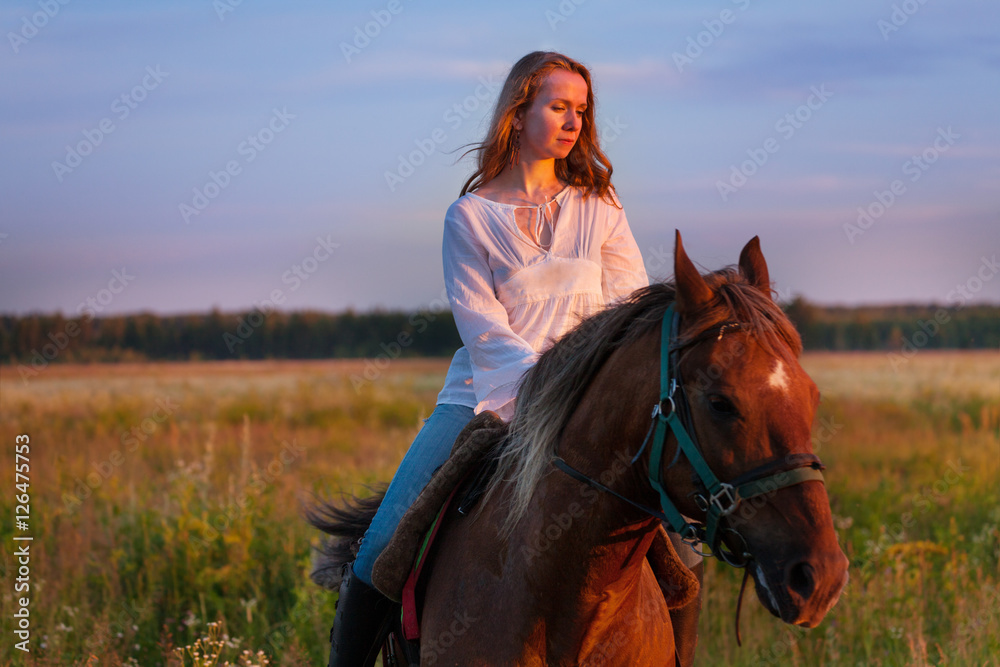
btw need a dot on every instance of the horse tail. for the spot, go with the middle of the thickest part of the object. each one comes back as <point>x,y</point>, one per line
<point>346,524</point>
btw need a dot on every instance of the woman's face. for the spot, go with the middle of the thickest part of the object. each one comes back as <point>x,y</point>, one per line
<point>551,125</point>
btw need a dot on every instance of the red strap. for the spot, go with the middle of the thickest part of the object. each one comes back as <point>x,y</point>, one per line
<point>411,621</point>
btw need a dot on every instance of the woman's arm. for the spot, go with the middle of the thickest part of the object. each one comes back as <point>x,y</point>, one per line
<point>623,271</point>
<point>499,356</point>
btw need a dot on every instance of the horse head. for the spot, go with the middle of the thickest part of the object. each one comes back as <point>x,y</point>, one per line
<point>749,406</point>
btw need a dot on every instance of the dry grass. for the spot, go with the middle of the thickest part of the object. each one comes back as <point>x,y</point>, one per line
<point>168,496</point>
<point>880,376</point>
<point>196,519</point>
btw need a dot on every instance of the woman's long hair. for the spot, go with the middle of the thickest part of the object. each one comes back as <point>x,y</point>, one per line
<point>586,165</point>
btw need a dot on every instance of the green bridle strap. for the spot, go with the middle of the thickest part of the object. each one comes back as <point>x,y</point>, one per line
<point>722,499</point>
<point>663,421</point>
<point>674,517</point>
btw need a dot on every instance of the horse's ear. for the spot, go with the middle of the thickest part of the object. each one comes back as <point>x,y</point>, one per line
<point>753,266</point>
<point>693,293</point>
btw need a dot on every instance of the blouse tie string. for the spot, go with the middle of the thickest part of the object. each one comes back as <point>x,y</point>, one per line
<point>543,224</point>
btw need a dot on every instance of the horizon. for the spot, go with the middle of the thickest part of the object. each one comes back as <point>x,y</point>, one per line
<point>378,310</point>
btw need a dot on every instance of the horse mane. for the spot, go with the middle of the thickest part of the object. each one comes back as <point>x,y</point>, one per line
<point>553,388</point>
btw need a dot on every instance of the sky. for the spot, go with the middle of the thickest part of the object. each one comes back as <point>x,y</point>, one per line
<point>173,157</point>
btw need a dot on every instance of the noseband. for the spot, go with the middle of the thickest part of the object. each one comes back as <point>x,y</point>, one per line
<point>718,499</point>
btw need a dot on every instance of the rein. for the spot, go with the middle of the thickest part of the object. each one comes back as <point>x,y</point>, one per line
<point>720,499</point>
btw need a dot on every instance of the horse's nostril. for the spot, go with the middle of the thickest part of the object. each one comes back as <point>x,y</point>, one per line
<point>801,580</point>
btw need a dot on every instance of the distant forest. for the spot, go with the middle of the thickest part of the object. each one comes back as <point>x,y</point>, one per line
<point>36,340</point>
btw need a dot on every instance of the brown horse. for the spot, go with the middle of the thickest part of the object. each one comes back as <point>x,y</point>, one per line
<point>551,569</point>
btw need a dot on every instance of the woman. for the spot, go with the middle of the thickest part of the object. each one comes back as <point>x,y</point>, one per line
<point>536,242</point>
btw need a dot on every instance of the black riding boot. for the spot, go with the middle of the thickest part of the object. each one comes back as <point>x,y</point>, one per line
<point>360,624</point>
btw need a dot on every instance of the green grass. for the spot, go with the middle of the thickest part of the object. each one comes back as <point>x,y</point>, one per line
<point>199,521</point>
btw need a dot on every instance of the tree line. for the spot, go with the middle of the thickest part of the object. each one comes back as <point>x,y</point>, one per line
<point>896,328</point>
<point>38,339</point>
<point>42,339</point>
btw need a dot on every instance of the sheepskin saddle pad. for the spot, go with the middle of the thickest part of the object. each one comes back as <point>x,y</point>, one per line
<point>472,447</point>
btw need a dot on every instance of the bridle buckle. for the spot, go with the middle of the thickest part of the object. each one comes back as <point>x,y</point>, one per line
<point>725,500</point>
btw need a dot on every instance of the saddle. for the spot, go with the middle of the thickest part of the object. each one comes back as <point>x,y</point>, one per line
<point>469,466</point>
<point>471,449</point>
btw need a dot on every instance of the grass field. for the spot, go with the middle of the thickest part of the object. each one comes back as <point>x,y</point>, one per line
<point>167,497</point>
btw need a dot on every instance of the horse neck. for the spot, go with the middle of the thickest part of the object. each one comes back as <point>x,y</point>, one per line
<point>580,539</point>
<point>577,556</point>
<point>574,526</point>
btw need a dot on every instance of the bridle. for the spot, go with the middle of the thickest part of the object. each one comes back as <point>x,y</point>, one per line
<point>718,499</point>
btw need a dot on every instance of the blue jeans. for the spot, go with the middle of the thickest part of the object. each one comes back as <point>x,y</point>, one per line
<point>429,450</point>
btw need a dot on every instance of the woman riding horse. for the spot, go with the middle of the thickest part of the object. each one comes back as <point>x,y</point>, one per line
<point>537,241</point>
<point>557,562</point>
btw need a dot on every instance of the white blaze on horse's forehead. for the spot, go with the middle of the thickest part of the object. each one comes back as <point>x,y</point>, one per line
<point>778,379</point>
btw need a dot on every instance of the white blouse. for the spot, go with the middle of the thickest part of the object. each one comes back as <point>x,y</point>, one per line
<point>512,299</point>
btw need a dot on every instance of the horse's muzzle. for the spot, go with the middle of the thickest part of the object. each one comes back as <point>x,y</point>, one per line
<point>808,587</point>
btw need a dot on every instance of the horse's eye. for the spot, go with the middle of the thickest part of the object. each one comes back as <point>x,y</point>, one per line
<point>722,406</point>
